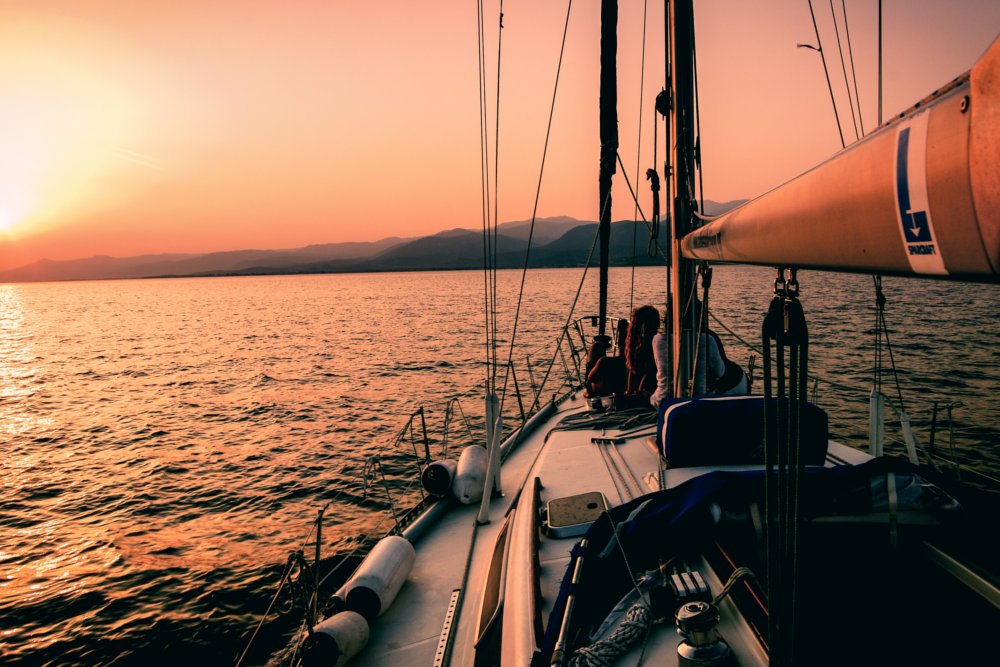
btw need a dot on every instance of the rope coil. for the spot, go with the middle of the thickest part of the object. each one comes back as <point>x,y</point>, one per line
<point>603,653</point>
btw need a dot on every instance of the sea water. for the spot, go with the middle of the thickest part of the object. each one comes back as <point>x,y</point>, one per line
<point>166,443</point>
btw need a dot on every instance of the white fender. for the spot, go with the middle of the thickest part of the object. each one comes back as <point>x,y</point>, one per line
<point>437,477</point>
<point>471,475</point>
<point>335,640</point>
<point>376,582</point>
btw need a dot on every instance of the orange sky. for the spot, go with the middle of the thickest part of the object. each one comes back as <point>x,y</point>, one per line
<point>162,126</point>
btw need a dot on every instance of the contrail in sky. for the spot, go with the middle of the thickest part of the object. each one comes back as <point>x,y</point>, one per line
<point>131,156</point>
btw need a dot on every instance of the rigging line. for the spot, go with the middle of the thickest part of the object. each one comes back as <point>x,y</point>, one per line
<point>702,326</point>
<point>312,525</point>
<point>892,362</point>
<point>649,228</point>
<point>819,42</point>
<point>496,196</point>
<point>877,365</point>
<point>534,211</point>
<point>267,612</point>
<point>485,178</point>
<point>569,317</point>
<point>854,74</point>
<point>655,229</point>
<point>608,465</point>
<point>631,287</point>
<point>635,230</point>
<point>668,45</point>
<point>638,152</point>
<point>754,348</point>
<point>843,67</point>
<point>346,557</point>
<point>684,311</point>
<point>489,276</point>
<point>697,118</point>
<point>880,63</point>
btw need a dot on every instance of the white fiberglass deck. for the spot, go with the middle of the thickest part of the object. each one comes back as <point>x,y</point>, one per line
<point>456,554</point>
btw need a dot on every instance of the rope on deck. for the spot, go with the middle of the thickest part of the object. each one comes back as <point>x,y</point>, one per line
<point>603,653</point>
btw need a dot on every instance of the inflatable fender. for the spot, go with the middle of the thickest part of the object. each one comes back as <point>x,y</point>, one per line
<point>335,640</point>
<point>467,486</point>
<point>376,582</point>
<point>437,477</point>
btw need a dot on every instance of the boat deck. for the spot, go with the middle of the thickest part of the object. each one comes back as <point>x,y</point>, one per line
<point>445,592</point>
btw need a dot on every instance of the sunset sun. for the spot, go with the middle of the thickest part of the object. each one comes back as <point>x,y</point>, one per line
<point>6,220</point>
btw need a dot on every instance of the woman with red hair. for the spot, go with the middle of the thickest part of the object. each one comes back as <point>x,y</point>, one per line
<point>639,361</point>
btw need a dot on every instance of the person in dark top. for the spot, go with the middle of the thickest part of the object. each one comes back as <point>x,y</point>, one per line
<point>733,381</point>
<point>640,364</point>
<point>605,374</point>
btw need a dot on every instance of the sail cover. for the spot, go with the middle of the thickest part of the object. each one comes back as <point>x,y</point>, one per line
<point>920,196</point>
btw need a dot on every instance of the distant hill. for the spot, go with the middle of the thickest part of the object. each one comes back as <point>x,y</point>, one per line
<point>103,267</point>
<point>556,241</point>
<point>100,267</point>
<point>239,260</point>
<point>573,247</point>
<point>459,249</point>
<point>546,229</point>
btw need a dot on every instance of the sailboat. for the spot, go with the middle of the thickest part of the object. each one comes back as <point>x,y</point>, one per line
<point>741,535</point>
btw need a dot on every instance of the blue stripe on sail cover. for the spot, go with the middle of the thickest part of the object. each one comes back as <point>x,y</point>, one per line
<point>915,226</point>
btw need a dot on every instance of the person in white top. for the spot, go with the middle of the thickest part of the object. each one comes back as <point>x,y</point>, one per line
<point>715,374</point>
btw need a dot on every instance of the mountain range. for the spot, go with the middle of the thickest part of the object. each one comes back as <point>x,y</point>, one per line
<point>556,242</point>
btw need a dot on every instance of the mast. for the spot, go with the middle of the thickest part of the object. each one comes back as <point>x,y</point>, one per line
<point>609,142</point>
<point>681,15</point>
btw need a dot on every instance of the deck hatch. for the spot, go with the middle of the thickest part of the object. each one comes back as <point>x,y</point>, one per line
<point>570,516</point>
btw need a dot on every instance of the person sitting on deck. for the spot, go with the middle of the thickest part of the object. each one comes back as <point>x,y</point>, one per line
<point>715,374</point>
<point>606,375</point>
<point>640,362</point>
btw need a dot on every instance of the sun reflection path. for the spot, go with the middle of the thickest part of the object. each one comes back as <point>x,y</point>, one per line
<point>18,366</point>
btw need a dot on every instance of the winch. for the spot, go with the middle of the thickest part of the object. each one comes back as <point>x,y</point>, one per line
<point>697,623</point>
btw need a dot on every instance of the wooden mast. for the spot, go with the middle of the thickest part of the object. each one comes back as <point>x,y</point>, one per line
<point>609,142</point>
<point>681,16</point>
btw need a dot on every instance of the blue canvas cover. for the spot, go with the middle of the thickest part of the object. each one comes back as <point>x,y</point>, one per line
<point>712,431</point>
<point>658,526</point>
